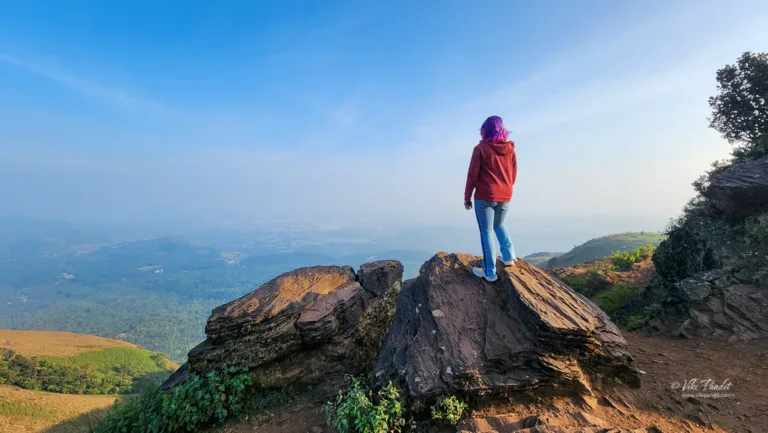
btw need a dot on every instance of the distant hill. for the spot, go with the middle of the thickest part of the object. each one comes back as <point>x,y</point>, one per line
<point>605,246</point>
<point>540,259</point>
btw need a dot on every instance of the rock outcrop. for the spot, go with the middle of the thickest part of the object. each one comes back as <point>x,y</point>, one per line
<point>742,190</point>
<point>723,303</point>
<point>303,325</point>
<point>456,334</point>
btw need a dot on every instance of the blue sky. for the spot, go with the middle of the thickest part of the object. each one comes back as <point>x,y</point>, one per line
<point>357,111</point>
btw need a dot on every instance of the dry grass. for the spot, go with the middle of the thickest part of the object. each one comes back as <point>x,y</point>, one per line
<point>54,343</point>
<point>23,411</point>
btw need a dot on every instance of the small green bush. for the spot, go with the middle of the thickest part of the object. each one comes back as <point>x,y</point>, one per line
<point>592,281</point>
<point>198,402</point>
<point>757,232</point>
<point>635,321</point>
<point>625,259</point>
<point>359,411</point>
<point>617,297</point>
<point>449,409</point>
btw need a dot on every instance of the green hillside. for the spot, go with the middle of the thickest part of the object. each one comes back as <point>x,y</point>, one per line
<point>540,259</point>
<point>605,246</point>
<point>36,361</point>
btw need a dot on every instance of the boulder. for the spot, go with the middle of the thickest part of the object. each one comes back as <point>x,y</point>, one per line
<point>727,309</point>
<point>693,290</point>
<point>454,333</point>
<point>742,190</point>
<point>303,325</point>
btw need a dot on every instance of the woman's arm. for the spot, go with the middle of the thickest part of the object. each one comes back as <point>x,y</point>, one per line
<point>474,171</point>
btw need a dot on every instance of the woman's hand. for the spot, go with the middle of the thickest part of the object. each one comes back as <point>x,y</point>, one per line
<point>467,205</point>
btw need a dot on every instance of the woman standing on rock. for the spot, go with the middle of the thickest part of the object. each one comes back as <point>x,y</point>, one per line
<point>492,174</point>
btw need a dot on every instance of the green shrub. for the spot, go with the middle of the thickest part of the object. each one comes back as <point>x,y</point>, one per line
<point>593,280</point>
<point>617,297</point>
<point>359,411</point>
<point>625,259</point>
<point>198,402</point>
<point>449,409</point>
<point>635,321</point>
<point>757,232</point>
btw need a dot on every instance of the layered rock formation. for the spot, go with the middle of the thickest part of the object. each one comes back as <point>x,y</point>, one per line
<point>456,334</point>
<point>725,302</point>
<point>303,325</point>
<point>742,190</point>
<point>714,265</point>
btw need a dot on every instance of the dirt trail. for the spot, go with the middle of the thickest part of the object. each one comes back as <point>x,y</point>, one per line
<point>658,403</point>
<point>668,362</point>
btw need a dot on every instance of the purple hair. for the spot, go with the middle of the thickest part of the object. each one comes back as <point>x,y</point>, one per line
<point>493,130</point>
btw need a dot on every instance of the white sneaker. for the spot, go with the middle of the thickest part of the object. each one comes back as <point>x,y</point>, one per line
<point>480,274</point>
<point>509,262</point>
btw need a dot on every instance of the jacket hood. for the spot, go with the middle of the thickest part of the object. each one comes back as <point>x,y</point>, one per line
<point>504,148</point>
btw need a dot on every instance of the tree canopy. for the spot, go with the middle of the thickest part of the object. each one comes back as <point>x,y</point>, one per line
<point>740,109</point>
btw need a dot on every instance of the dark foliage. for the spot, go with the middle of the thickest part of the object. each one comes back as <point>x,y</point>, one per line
<point>201,401</point>
<point>740,110</point>
<point>690,247</point>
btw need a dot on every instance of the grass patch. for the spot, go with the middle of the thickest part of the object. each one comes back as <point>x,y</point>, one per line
<point>19,409</point>
<point>55,343</point>
<point>138,361</point>
<point>36,411</point>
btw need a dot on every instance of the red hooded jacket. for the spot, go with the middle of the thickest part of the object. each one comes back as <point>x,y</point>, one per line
<point>492,172</point>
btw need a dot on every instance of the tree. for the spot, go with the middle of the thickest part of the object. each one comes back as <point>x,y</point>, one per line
<point>740,110</point>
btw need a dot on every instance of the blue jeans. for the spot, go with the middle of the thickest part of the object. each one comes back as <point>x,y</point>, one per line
<point>490,217</point>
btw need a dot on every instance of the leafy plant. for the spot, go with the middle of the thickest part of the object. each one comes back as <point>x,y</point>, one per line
<point>625,259</point>
<point>360,411</point>
<point>449,409</point>
<point>592,281</point>
<point>617,297</point>
<point>635,321</point>
<point>200,401</point>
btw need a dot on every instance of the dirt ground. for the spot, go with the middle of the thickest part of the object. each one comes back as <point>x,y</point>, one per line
<point>669,363</point>
<point>661,404</point>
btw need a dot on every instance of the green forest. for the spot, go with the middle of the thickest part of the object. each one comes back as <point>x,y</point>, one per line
<point>155,293</point>
<point>118,370</point>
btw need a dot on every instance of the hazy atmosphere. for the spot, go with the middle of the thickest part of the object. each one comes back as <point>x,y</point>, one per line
<point>357,114</point>
<point>395,216</point>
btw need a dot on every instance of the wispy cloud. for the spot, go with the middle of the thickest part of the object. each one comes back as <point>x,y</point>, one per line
<point>85,87</point>
<point>609,127</point>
